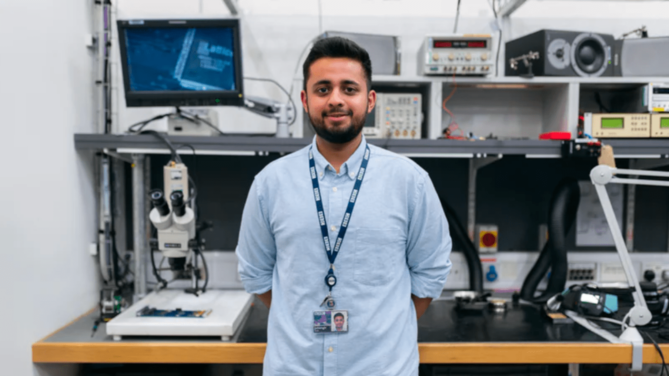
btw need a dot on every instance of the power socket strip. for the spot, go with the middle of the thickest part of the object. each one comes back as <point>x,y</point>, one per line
<point>581,272</point>
<point>511,268</point>
<point>508,268</point>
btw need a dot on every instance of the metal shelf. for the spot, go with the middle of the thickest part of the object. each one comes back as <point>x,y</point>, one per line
<point>249,145</point>
<point>519,80</point>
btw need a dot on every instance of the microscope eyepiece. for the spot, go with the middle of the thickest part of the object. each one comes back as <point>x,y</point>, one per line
<point>178,204</point>
<point>158,200</point>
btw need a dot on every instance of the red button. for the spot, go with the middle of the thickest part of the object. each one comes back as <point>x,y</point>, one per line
<point>489,239</point>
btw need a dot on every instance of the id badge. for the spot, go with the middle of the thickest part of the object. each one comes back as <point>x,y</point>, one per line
<point>331,321</point>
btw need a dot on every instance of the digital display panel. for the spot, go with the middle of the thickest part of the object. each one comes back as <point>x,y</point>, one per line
<point>589,298</point>
<point>664,122</point>
<point>459,44</point>
<point>612,123</point>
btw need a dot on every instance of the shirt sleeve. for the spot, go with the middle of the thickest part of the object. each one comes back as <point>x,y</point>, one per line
<point>256,250</point>
<point>428,244</point>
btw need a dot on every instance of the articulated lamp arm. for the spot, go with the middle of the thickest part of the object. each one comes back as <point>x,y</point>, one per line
<point>600,176</point>
<point>639,314</point>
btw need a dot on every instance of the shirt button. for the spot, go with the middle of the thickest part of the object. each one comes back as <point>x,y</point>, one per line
<point>321,174</point>
<point>352,174</point>
<point>334,189</point>
<point>330,349</point>
<point>333,228</point>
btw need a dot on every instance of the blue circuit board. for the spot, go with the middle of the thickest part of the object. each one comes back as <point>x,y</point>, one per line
<point>154,312</point>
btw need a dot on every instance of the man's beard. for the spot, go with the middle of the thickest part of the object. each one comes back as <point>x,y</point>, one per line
<point>340,135</point>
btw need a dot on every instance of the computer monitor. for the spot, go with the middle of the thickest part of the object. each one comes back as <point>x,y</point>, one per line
<point>181,62</point>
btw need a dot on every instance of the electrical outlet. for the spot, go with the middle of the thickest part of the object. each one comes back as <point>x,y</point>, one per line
<point>657,267</point>
<point>508,270</point>
<point>612,272</point>
<point>458,276</point>
<point>582,272</point>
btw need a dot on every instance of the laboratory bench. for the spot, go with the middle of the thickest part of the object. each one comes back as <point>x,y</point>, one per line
<point>520,335</point>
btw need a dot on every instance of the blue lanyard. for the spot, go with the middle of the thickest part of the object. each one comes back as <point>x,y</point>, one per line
<point>332,253</point>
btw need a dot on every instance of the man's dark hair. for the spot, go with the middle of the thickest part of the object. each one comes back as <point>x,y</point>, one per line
<point>338,47</point>
<point>339,314</point>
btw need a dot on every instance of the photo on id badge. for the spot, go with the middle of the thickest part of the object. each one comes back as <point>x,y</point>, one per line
<point>330,321</point>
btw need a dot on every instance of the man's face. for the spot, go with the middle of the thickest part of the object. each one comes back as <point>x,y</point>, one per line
<point>336,98</point>
<point>339,322</point>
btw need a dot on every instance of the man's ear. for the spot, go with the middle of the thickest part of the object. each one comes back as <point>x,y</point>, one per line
<point>371,100</point>
<point>303,96</point>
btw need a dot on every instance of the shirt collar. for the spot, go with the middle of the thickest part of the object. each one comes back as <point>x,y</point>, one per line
<point>349,168</point>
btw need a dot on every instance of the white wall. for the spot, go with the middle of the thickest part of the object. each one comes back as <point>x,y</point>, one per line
<point>47,196</point>
<point>276,31</point>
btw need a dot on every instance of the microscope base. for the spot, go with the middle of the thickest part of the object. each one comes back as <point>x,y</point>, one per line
<point>229,309</point>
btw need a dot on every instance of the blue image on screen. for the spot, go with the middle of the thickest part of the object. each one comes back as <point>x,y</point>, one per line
<point>180,59</point>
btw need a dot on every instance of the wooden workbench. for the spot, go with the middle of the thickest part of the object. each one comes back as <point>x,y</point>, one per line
<point>521,335</point>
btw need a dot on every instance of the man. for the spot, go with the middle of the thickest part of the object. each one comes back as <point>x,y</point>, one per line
<point>302,248</point>
<point>339,322</point>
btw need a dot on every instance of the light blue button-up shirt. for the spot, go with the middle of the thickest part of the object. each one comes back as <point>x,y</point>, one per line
<point>397,244</point>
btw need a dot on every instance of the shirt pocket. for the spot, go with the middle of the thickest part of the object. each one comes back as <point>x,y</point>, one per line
<point>379,253</point>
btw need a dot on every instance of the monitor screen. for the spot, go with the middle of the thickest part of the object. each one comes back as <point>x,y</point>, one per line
<point>179,63</point>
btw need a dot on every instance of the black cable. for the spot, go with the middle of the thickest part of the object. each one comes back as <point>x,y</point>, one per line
<point>124,261</point>
<point>106,89</point>
<point>206,268</point>
<point>598,99</point>
<point>457,17</point>
<point>195,118</point>
<point>112,201</point>
<point>459,234</point>
<point>561,217</point>
<point>282,89</point>
<point>193,195</point>
<point>160,279</point>
<point>128,267</point>
<point>138,127</point>
<point>110,229</point>
<point>144,123</point>
<point>96,323</point>
<point>166,141</point>
<point>659,350</point>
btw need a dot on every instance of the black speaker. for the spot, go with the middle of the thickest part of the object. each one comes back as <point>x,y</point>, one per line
<point>562,53</point>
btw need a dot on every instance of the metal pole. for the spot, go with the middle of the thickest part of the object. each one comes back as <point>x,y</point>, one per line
<point>474,165</point>
<point>282,122</point>
<point>629,213</point>
<point>139,224</point>
<point>471,199</point>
